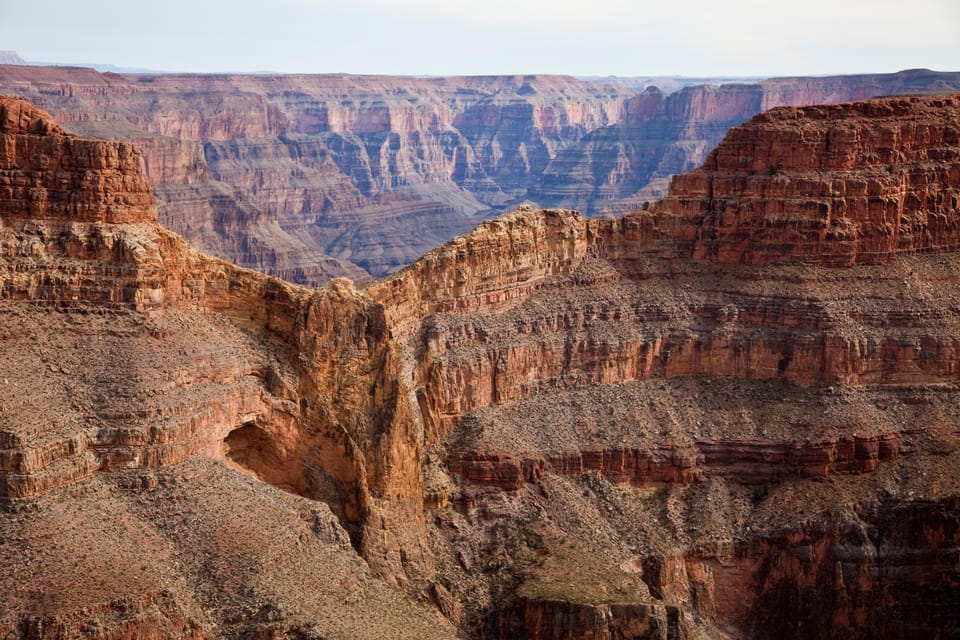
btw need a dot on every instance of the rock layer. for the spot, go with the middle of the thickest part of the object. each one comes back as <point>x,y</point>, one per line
<point>48,174</point>
<point>313,177</point>
<point>614,170</point>
<point>787,188</point>
<point>547,427</point>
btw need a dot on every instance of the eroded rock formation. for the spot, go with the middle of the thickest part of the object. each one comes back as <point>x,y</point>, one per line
<point>614,170</point>
<point>657,426</point>
<point>825,186</point>
<point>609,405</point>
<point>313,177</point>
<point>132,364</point>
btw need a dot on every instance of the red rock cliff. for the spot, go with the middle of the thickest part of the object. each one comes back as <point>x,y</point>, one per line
<point>826,185</point>
<point>548,427</point>
<point>134,364</point>
<point>576,378</point>
<point>49,174</point>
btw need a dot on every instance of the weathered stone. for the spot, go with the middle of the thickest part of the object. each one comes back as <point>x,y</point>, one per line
<point>641,438</point>
<point>314,177</point>
<point>809,185</point>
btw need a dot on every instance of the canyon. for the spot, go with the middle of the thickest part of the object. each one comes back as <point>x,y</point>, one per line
<point>311,177</point>
<point>728,414</point>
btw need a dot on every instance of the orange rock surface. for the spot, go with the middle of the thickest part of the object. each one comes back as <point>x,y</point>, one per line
<point>136,374</point>
<point>826,185</point>
<point>547,427</point>
<point>48,174</point>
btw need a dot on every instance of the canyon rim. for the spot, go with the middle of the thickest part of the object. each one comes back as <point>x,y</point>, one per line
<point>729,413</point>
<point>311,177</point>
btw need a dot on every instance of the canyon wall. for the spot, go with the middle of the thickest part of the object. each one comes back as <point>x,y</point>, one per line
<point>136,373</point>
<point>689,400</point>
<point>614,170</point>
<point>655,426</point>
<point>310,177</point>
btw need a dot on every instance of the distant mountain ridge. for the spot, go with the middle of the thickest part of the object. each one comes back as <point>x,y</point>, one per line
<point>311,177</point>
<point>11,57</point>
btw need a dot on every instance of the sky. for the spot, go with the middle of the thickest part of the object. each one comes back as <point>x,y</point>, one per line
<point>447,37</point>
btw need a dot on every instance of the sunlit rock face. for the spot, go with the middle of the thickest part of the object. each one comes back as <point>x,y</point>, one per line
<point>654,426</point>
<point>173,428</point>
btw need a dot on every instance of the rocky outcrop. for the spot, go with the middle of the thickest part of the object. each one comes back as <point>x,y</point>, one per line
<point>547,427</point>
<point>48,174</point>
<point>614,170</point>
<point>131,264</point>
<point>743,461</point>
<point>129,355</point>
<point>809,186</point>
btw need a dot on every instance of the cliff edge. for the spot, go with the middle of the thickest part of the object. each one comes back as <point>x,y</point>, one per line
<point>155,472</point>
<point>830,185</point>
<point>700,419</point>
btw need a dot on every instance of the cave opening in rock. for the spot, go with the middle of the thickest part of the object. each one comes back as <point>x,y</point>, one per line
<point>251,449</point>
<point>784,362</point>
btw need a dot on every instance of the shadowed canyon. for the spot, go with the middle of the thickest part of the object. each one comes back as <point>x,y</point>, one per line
<point>728,414</point>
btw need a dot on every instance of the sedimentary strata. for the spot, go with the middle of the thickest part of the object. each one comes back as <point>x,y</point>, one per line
<point>652,426</point>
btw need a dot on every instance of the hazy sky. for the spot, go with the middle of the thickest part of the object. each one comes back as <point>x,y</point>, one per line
<point>426,37</point>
